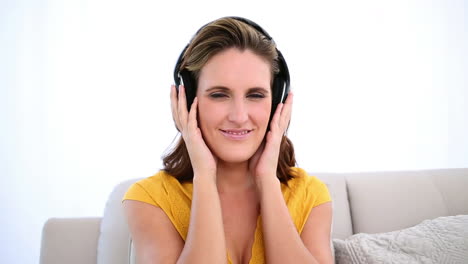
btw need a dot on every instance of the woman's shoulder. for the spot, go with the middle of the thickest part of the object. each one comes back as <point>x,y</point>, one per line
<point>303,193</point>
<point>160,177</point>
<point>302,179</point>
<point>307,187</point>
<point>159,185</point>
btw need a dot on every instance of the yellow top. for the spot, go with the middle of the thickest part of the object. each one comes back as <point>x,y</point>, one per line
<point>162,190</point>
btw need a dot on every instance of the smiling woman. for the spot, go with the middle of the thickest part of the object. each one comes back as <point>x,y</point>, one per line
<point>229,191</point>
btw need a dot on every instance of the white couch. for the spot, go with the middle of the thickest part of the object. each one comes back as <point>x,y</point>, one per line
<point>371,202</point>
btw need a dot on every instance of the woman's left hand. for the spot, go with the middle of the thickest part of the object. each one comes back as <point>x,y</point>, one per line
<point>263,164</point>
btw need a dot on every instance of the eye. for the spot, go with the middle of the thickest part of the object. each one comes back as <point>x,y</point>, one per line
<point>218,95</point>
<point>256,95</point>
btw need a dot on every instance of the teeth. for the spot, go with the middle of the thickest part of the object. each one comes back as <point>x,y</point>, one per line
<point>237,133</point>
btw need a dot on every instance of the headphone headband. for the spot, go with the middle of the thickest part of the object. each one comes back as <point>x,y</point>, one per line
<point>281,81</point>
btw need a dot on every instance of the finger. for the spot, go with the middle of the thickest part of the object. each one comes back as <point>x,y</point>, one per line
<point>182,107</point>
<point>256,156</point>
<point>175,114</point>
<point>272,146</point>
<point>286,111</point>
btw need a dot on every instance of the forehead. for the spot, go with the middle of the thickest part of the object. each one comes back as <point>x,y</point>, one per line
<point>235,69</point>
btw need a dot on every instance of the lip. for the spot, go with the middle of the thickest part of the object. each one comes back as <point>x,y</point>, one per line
<point>236,134</point>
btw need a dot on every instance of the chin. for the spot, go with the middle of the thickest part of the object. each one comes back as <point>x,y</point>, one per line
<point>234,156</point>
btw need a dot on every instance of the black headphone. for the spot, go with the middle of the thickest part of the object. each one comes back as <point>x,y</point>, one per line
<point>280,87</point>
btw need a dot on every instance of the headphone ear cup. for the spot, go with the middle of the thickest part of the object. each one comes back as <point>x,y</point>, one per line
<point>277,90</point>
<point>283,77</point>
<point>190,87</point>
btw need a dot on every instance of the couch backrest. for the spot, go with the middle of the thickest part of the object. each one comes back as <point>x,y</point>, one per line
<point>389,201</point>
<point>374,201</point>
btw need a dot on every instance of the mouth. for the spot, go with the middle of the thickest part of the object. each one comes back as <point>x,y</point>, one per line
<point>236,134</point>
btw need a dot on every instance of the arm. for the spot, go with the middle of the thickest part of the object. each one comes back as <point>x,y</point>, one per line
<point>316,232</point>
<point>283,244</point>
<point>205,239</point>
<point>154,237</point>
<point>157,241</point>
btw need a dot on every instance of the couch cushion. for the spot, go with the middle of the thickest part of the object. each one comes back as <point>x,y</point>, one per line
<point>388,201</point>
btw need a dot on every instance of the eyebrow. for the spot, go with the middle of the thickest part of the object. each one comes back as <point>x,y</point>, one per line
<point>225,89</point>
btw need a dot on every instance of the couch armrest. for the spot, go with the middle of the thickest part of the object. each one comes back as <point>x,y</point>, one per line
<point>70,240</point>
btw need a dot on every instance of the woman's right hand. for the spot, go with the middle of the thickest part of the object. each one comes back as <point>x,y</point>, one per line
<point>203,161</point>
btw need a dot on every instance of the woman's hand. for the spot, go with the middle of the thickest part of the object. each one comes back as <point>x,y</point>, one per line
<point>203,161</point>
<point>264,162</point>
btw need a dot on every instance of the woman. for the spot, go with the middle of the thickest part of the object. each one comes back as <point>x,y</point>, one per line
<point>229,192</point>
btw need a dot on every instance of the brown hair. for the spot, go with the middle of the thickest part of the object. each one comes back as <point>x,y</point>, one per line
<point>211,39</point>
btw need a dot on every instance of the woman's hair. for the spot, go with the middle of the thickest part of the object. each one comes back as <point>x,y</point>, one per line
<point>211,39</point>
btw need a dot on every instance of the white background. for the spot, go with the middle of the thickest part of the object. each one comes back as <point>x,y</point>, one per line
<point>84,94</point>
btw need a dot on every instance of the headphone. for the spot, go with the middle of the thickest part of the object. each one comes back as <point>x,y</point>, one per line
<point>281,82</point>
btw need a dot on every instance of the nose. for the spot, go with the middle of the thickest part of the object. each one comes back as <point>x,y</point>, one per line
<point>238,112</point>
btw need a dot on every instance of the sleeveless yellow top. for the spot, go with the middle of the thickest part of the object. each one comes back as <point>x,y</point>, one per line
<point>174,198</point>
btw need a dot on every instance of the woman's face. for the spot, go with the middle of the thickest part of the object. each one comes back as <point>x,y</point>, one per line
<point>234,107</point>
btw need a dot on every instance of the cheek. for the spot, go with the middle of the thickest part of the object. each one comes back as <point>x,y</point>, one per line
<point>206,116</point>
<point>261,113</point>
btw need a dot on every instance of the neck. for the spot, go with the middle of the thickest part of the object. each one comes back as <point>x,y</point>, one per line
<point>233,177</point>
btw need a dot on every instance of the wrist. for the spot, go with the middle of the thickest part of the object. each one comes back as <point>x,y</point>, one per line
<point>267,183</point>
<point>204,177</point>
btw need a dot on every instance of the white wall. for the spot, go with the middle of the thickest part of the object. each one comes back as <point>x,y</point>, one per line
<point>84,86</point>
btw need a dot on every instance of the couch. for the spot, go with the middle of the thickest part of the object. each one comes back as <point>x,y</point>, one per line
<point>370,202</point>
